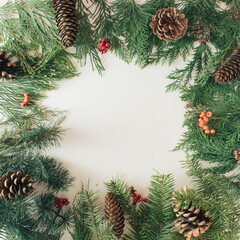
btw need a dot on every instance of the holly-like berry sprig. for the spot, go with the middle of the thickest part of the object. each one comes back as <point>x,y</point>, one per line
<point>60,202</point>
<point>137,197</point>
<point>104,45</point>
<point>203,120</point>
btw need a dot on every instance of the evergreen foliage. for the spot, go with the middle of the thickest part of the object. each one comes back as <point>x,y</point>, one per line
<point>159,224</point>
<point>152,220</point>
<point>26,26</point>
<point>27,132</point>
<point>85,44</point>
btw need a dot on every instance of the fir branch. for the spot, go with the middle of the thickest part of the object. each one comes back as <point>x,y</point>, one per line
<point>90,222</point>
<point>159,223</point>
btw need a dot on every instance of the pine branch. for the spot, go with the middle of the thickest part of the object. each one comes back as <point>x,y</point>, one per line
<point>103,24</point>
<point>28,26</point>
<point>85,43</point>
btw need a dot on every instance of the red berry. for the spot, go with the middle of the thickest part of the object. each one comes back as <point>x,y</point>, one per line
<point>101,44</point>
<point>135,198</point>
<point>107,44</point>
<point>134,201</point>
<point>141,199</point>
<point>57,206</point>
<point>133,195</point>
<point>139,196</point>
<point>60,204</point>
<point>66,203</point>
<point>103,48</point>
<point>104,39</point>
<point>104,51</point>
<point>107,48</point>
<point>132,187</point>
<point>138,200</point>
<point>145,199</point>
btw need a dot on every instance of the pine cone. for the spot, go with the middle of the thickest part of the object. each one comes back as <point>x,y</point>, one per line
<point>230,68</point>
<point>15,183</point>
<point>114,214</point>
<point>192,221</point>
<point>169,24</point>
<point>7,71</point>
<point>65,14</point>
<point>237,156</point>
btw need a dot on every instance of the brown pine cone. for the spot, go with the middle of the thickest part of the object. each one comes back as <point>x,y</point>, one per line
<point>114,214</point>
<point>230,68</point>
<point>15,183</point>
<point>66,18</point>
<point>237,156</point>
<point>191,221</point>
<point>169,24</point>
<point>7,69</point>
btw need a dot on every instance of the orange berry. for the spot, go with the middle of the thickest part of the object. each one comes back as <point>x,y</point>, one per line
<point>202,124</point>
<point>23,104</point>
<point>205,128</point>
<point>200,119</point>
<point>26,94</point>
<point>207,131</point>
<point>203,114</point>
<point>205,119</point>
<point>212,131</point>
<point>209,114</point>
<point>26,99</point>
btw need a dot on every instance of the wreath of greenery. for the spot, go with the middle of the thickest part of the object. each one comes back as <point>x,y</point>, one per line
<point>29,33</point>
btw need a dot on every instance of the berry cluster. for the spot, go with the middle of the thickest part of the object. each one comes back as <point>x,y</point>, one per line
<point>104,45</point>
<point>199,30</point>
<point>203,120</point>
<point>137,197</point>
<point>26,100</point>
<point>60,202</point>
<point>235,15</point>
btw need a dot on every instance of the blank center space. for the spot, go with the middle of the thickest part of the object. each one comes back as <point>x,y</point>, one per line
<point>122,123</point>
